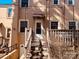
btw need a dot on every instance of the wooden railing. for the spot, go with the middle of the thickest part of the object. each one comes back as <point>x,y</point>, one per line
<point>13,47</point>
<point>48,43</point>
<point>6,50</point>
<point>28,44</point>
<point>3,41</point>
<point>61,41</point>
<point>65,38</point>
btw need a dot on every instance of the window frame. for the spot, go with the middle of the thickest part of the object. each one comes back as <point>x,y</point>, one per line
<point>20,23</point>
<point>56,4</point>
<point>73,2</point>
<point>24,7</point>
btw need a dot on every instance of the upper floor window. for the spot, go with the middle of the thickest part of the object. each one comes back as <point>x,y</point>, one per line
<point>71,2</point>
<point>23,25</point>
<point>24,3</point>
<point>72,25</point>
<point>9,12</point>
<point>54,25</point>
<point>55,1</point>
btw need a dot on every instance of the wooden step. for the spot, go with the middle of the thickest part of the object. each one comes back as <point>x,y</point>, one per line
<point>46,57</point>
<point>28,55</point>
<point>35,44</point>
<point>44,49</point>
<point>35,41</point>
<point>35,57</point>
<point>37,51</point>
<point>45,53</point>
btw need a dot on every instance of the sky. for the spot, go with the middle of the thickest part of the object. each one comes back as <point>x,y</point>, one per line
<point>3,2</point>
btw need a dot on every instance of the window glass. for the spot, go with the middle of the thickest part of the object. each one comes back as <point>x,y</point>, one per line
<point>9,12</point>
<point>71,2</point>
<point>8,32</point>
<point>72,25</point>
<point>24,3</point>
<point>23,25</point>
<point>54,25</point>
<point>55,1</point>
<point>38,28</point>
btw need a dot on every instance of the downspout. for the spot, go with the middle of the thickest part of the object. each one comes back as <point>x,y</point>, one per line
<point>48,30</point>
<point>49,18</point>
<point>18,41</point>
<point>74,32</point>
<point>64,14</point>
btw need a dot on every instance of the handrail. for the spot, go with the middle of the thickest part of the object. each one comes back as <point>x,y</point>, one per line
<point>4,42</point>
<point>13,47</point>
<point>67,38</point>
<point>28,38</point>
<point>28,42</point>
<point>7,50</point>
<point>62,30</point>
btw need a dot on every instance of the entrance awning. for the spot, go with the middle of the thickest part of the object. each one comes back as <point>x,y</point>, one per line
<point>38,16</point>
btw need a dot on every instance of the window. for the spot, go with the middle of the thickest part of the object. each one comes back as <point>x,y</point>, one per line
<point>24,3</point>
<point>9,12</point>
<point>71,2</point>
<point>55,1</point>
<point>72,25</point>
<point>54,25</point>
<point>23,25</point>
<point>8,32</point>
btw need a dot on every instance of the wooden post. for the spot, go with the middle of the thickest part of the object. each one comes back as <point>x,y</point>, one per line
<point>25,35</point>
<point>48,44</point>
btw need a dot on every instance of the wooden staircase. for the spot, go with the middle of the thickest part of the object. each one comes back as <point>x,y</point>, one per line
<point>35,48</point>
<point>38,50</point>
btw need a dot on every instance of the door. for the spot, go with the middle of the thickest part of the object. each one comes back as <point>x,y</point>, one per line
<point>38,29</point>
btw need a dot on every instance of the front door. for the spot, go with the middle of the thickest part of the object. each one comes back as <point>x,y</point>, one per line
<point>38,29</point>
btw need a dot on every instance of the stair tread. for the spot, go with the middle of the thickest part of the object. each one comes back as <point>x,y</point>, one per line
<point>35,41</point>
<point>29,55</point>
<point>45,53</point>
<point>37,51</point>
<point>35,44</point>
<point>37,56</point>
<point>45,57</point>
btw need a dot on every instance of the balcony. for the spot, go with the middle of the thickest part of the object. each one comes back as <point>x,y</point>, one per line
<point>64,38</point>
<point>63,43</point>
